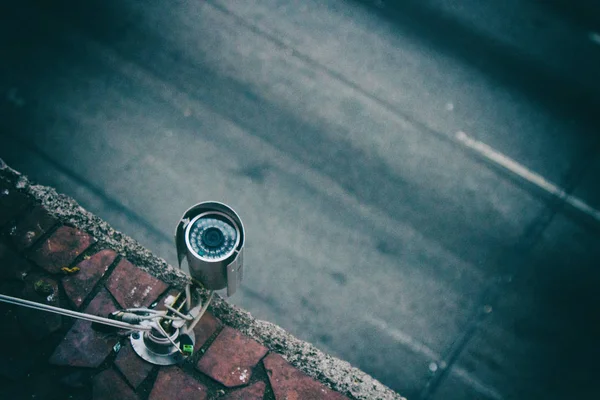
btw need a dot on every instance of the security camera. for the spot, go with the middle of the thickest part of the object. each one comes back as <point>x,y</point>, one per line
<point>210,235</point>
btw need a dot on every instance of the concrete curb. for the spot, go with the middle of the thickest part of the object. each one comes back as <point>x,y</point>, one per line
<point>333,372</point>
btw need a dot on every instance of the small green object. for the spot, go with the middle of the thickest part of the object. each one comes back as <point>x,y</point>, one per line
<point>188,348</point>
<point>43,287</point>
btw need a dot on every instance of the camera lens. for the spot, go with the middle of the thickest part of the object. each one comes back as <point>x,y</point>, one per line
<point>213,236</point>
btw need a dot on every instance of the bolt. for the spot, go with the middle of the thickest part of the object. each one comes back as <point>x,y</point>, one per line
<point>135,335</point>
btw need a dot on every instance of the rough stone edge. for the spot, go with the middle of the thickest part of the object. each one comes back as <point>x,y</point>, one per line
<point>68,211</point>
<point>331,371</point>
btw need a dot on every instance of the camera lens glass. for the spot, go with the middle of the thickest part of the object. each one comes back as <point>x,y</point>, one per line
<point>212,237</point>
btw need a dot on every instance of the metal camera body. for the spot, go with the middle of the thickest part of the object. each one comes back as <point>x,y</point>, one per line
<point>210,235</point>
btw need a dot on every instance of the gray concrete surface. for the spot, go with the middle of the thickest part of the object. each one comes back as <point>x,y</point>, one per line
<point>330,127</point>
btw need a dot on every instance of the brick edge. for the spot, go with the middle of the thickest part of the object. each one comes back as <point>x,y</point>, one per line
<point>334,373</point>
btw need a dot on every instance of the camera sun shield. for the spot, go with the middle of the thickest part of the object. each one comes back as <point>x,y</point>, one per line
<point>210,235</point>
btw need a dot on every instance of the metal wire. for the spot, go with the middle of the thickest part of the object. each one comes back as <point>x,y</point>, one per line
<point>174,311</point>
<point>202,311</point>
<point>72,314</point>
<point>154,315</point>
<point>165,334</point>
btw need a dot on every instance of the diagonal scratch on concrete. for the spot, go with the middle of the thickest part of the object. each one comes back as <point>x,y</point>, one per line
<point>527,175</point>
<point>403,338</point>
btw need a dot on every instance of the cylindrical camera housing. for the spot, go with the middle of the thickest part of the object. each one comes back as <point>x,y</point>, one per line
<point>211,236</point>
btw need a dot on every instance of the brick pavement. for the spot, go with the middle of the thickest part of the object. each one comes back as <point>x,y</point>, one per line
<point>46,356</point>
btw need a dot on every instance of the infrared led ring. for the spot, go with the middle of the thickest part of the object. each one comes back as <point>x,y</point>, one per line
<point>212,236</point>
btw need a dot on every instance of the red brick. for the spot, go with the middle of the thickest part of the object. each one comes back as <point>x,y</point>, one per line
<point>108,385</point>
<point>132,366</point>
<point>207,326</point>
<point>231,358</point>
<point>79,285</point>
<point>28,230</point>
<point>173,383</point>
<point>12,266</point>
<point>133,287</point>
<point>77,379</point>
<point>289,383</point>
<point>83,346</point>
<point>39,324</point>
<point>61,249</point>
<point>101,305</point>
<point>12,202</point>
<point>252,392</point>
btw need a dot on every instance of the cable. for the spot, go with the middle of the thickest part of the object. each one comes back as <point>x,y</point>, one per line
<point>165,334</point>
<point>72,314</point>
<point>202,311</point>
<point>185,317</point>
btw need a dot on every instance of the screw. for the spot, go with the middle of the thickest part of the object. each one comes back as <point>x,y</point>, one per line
<point>135,335</point>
